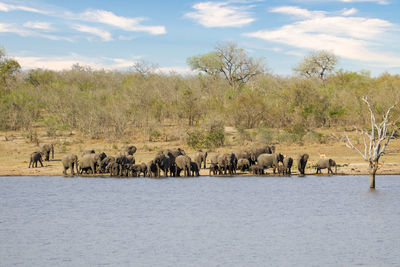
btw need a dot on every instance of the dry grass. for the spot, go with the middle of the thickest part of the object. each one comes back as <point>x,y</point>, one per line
<point>15,150</point>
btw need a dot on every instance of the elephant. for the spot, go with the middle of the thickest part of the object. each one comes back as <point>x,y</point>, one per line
<point>183,163</point>
<point>34,158</point>
<point>88,151</point>
<point>213,169</point>
<point>200,157</point>
<point>243,154</point>
<point>91,161</point>
<point>270,160</point>
<point>302,163</point>
<point>113,168</point>
<point>129,149</point>
<point>172,154</point>
<point>152,169</point>
<point>46,149</point>
<point>287,165</point>
<point>104,163</point>
<point>255,152</point>
<point>194,168</point>
<point>256,169</point>
<point>243,164</point>
<point>122,159</point>
<point>70,161</point>
<point>142,168</point>
<point>227,163</point>
<point>163,163</point>
<point>326,164</point>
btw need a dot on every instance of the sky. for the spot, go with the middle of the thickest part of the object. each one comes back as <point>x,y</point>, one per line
<point>114,35</point>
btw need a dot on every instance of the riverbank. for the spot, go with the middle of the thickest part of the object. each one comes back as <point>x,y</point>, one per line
<point>15,150</point>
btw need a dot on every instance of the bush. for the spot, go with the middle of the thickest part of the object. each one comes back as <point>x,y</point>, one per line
<point>213,138</point>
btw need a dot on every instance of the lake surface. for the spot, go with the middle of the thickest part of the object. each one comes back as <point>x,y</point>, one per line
<point>206,221</point>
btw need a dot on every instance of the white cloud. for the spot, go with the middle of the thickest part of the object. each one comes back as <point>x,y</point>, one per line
<point>348,37</point>
<point>105,35</point>
<point>349,12</point>
<point>127,24</point>
<point>15,29</point>
<point>39,25</point>
<point>220,14</point>
<point>8,7</point>
<point>296,11</point>
<point>66,62</point>
<point>381,2</point>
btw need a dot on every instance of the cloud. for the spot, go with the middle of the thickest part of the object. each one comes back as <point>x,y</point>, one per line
<point>381,2</point>
<point>349,12</point>
<point>8,7</point>
<point>39,25</point>
<point>15,29</point>
<point>127,24</point>
<point>104,35</point>
<point>348,37</point>
<point>66,62</point>
<point>220,14</point>
<point>296,11</point>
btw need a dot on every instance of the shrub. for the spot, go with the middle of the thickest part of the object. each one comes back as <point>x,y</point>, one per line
<point>213,138</point>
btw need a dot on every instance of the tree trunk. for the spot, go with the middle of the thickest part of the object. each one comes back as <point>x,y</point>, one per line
<point>372,173</point>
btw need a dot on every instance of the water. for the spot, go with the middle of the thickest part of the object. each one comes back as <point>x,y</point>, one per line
<point>312,221</point>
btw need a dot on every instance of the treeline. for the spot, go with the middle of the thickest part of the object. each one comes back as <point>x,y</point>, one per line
<point>114,104</point>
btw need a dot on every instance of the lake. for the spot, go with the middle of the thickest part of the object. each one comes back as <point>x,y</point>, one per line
<point>206,221</point>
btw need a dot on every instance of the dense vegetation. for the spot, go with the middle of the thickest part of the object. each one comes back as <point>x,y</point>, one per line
<point>114,104</point>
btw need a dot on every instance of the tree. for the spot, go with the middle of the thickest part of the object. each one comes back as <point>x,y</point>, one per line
<point>231,62</point>
<point>8,69</point>
<point>375,140</point>
<point>317,64</point>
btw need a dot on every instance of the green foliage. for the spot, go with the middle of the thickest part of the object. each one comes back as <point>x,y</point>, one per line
<point>197,138</point>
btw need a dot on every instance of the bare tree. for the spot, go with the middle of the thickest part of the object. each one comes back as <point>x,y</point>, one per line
<point>317,64</point>
<point>375,139</point>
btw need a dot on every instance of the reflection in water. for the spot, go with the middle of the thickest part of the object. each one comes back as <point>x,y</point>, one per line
<point>205,221</point>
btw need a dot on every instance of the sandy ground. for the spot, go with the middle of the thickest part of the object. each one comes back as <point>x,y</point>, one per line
<point>15,150</point>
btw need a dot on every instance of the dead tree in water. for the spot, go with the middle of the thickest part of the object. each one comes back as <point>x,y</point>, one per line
<point>375,140</point>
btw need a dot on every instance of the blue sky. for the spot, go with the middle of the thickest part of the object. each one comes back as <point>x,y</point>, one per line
<point>364,34</point>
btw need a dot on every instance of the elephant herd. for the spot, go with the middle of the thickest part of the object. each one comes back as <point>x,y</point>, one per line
<point>172,162</point>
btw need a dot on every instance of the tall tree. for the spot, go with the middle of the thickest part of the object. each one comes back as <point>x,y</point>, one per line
<point>375,139</point>
<point>8,68</point>
<point>231,62</point>
<point>317,64</point>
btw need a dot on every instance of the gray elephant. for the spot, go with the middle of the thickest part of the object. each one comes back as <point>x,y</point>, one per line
<point>302,163</point>
<point>256,169</point>
<point>243,164</point>
<point>104,163</point>
<point>163,163</point>
<point>152,169</point>
<point>213,169</point>
<point>194,168</point>
<point>172,154</point>
<point>91,162</point>
<point>255,152</point>
<point>326,164</point>
<point>200,157</point>
<point>34,158</point>
<point>46,149</point>
<point>129,149</point>
<point>183,163</point>
<point>287,166</point>
<point>270,160</point>
<point>70,161</point>
<point>113,168</point>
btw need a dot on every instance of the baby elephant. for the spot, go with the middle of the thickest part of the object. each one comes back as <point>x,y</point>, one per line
<point>34,158</point>
<point>256,169</point>
<point>326,164</point>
